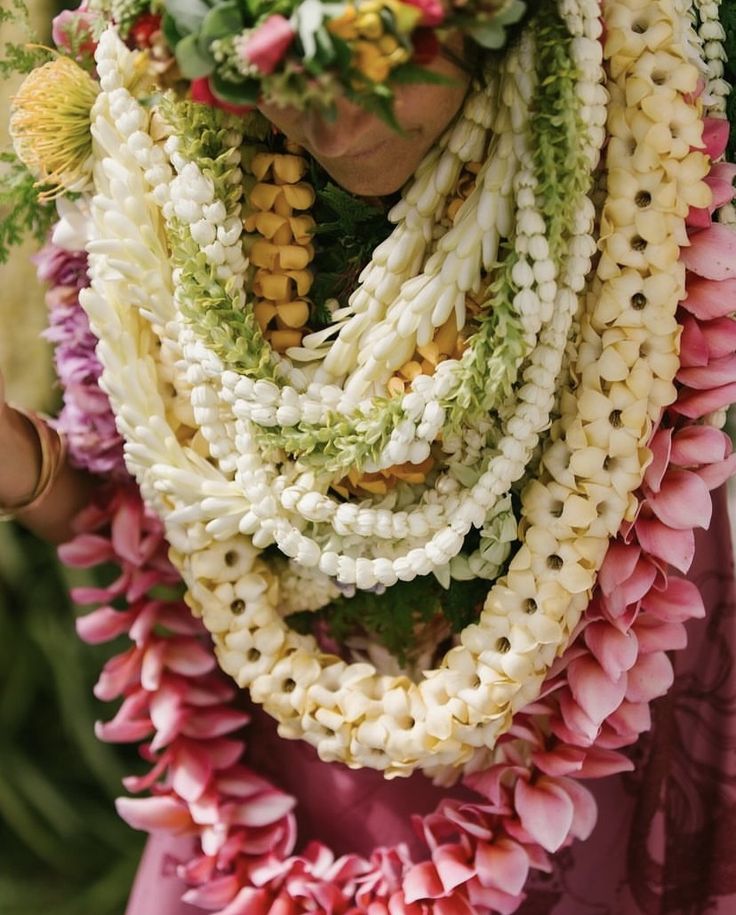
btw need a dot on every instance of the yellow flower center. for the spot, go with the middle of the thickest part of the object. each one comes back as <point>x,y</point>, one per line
<point>50,125</point>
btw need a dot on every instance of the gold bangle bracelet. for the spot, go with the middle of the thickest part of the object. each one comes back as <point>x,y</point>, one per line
<point>53,451</point>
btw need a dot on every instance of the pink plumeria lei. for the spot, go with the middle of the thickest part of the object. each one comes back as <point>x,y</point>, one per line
<point>531,802</point>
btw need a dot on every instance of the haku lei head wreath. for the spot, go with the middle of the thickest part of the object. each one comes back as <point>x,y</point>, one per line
<point>393,479</point>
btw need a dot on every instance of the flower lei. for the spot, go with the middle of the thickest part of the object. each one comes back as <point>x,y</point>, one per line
<point>219,513</point>
<point>595,697</point>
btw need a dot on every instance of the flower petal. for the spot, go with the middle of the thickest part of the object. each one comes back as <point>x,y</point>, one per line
<point>451,863</point>
<point>584,806</point>
<point>676,547</point>
<point>707,299</point>
<point>712,253</point>
<point>696,404</point>
<point>503,864</point>
<point>683,501</point>
<point>615,651</point>
<point>594,691</point>
<point>696,445</point>
<point>716,373</point>
<point>680,600</point>
<point>155,814</point>
<point>651,677</point>
<point>715,136</point>
<point>545,810</point>
<point>422,882</point>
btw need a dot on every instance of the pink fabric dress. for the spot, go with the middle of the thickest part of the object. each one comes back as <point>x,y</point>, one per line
<point>665,842</point>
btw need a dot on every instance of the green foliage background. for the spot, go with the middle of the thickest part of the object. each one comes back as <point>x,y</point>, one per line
<point>64,850</point>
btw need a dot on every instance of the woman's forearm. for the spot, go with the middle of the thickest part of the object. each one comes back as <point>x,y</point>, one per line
<point>20,466</point>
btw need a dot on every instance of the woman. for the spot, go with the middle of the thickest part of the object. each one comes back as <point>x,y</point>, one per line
<point>472,853</point>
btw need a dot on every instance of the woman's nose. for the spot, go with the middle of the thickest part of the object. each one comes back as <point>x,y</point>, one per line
<point>346,133</point>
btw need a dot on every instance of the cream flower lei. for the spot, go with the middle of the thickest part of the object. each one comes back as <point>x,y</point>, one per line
<point>165,234</point>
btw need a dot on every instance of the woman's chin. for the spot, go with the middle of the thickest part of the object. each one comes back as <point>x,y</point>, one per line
<point>367,182</point>
<point>370,174</point>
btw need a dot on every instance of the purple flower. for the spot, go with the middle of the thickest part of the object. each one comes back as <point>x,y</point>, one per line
<point>59,267</point>
<point>86,418</point>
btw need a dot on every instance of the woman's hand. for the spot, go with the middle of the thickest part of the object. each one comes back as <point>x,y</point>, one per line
<point>20,469</point>
<point>20,455</point>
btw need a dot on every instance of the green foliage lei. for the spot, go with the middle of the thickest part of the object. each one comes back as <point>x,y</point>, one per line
<point>209,303</point>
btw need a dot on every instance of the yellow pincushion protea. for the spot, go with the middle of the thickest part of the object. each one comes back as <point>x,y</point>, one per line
<point>50,125</point>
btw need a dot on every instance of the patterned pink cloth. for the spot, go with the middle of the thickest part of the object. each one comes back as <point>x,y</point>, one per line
<point>665,843</point>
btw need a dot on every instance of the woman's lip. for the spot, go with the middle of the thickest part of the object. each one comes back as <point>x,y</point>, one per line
<point>368,151</point>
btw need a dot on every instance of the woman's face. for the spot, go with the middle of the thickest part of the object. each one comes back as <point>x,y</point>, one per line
<point>361,152</point>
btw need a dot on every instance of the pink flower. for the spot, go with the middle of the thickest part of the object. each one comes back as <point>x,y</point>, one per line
<point>433,13</point>
<point>73,31</point>
<point>156,814</point>
<point>545,810</point>
<point>715,136</point>
<point>268,43</point>
<point>711,253</point>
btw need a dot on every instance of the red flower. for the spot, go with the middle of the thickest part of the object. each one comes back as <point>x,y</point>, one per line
<point>426,46</point>
<point>144,28</point>
<point>201,92</point>
<point>268,43</point>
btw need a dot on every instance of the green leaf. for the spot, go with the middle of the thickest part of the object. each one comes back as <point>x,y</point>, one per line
<point>171,31</point>
<point>222,21</point>
<point>193,61</point>
<point>245,93</point>
<point>408,74</point>
<point>24,57</point>
<point>488,35</point>
<point>21,212</point>
<point>380,103</point>
<point>188,14</point>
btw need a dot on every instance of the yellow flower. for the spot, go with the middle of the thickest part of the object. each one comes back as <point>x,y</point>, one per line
<point>568,562</point>
<point>653,243</point>
<point>371,62</point>
<point>344,26</point>
<point>668,124</point>
<point>659,68</point>
<point>614,422</point>
<point>631,30</point>
<point>539,604</point>
<point>557,508</point>
<point>631,300</point>
<point>623,151</point>
<point>633,195</point>
<point>50,125</point>
<point>688,174</point>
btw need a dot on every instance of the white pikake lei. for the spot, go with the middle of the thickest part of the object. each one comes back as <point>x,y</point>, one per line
<point>223,500</point>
